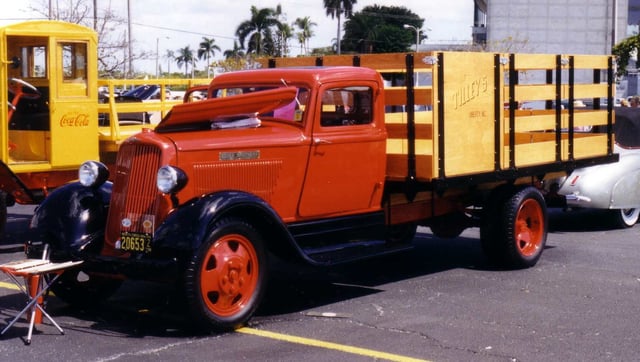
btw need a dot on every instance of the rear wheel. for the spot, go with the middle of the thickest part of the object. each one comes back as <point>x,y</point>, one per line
<point>514,228</point>
<point>226,278</point>
<point>625,218</point>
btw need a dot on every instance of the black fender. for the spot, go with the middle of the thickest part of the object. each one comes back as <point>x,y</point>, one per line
<point>188,226</point>
<point>72,219</point>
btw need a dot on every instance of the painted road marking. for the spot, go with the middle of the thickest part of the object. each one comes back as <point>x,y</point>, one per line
<point>305,341</point>
<point>6,285</point>
<point>328,345</point>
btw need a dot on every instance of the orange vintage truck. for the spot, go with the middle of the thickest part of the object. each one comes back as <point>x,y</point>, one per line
<point>326,161</point>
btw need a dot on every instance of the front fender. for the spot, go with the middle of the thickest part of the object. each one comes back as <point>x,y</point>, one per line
<point>187,227</point>
<point>72,219</point>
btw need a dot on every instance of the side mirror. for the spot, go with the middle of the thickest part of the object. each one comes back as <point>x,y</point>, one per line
<point>15,62</point>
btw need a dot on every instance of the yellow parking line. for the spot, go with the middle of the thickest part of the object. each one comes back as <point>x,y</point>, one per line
<point>6,285</point>
<point>328,345</point>
<point>304,341</point>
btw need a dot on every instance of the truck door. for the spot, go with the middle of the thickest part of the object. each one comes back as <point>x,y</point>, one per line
<point>29,88</point>
<point>74,115</point>
<point>347,158</point>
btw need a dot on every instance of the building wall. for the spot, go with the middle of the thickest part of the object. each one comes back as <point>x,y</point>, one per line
<point>554,26</point>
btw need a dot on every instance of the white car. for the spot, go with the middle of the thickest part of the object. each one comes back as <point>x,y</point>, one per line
<point>614,186</point>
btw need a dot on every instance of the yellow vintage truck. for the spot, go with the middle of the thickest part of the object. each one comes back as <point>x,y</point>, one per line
<point>51,117</point>
<point>325,161</point>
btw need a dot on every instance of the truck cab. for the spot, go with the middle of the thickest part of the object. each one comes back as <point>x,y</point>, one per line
<point>48,107</point>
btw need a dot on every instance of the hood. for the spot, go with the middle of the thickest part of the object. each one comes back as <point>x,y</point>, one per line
<point>227,108</point>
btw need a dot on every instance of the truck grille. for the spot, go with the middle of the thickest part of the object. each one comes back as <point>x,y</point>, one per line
<point>135,199</point>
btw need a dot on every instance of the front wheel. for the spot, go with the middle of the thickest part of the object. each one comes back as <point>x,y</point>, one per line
<point>514,228</point>
<point>226,278</point>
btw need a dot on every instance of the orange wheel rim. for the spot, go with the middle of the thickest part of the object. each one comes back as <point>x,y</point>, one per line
<point>529,230</point>
<point>229,275</point>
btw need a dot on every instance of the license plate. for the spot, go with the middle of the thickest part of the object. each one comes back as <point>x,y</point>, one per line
<point>135,242</point>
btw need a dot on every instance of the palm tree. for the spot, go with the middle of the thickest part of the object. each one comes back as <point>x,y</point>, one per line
<point>185,56</point>
<point>169,56</point>
<point>258,30</point>
<point>305,24</point>
<point>284,32</point>
<point>337,7</point>
<point>207,48</point>
<point>234,53</point>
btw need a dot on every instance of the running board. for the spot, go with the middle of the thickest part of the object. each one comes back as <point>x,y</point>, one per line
<point>357,250</point>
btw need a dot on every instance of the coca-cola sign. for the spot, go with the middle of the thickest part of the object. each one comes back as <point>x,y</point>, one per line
<point>74,120</point>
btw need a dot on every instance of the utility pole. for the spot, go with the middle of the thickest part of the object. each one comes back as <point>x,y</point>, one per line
<point>129,38</point>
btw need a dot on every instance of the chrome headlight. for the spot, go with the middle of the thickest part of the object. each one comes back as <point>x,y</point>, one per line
<point>170,179</point>
<point>93,174</point>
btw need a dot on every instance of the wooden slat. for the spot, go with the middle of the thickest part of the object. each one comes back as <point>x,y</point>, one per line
<point>534,92</point>
<point>589,90</point>
<point>535,121</point>
<point>395,96</point>
<point>587,145</point>
<point>590,62</point>
<point>397,166</point>
<point>423,131</point>
<point>535,61</point>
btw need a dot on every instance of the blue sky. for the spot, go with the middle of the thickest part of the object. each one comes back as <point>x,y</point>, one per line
<point>174,24</point>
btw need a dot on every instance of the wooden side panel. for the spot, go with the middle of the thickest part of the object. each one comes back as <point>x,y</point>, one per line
<point>469,114</point>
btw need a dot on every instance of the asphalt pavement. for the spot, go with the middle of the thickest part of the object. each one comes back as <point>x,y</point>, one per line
<point>439,302</point>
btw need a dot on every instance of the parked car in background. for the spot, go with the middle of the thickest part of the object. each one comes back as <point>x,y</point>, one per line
<point>614,186</point>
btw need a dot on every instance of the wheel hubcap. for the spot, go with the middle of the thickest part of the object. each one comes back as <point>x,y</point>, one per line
<point>529,228</point>
<point>229,275</point>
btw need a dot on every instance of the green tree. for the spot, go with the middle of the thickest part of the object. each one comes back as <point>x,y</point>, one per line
<point>207,48</point>
<point>624,51</point>
<point>380,29</point>
<point>170,56</point>
<point>234,53</point>
<point>284,33</point>
<point>185,56</point>
<point>258,31</point>
<point>113,55</point>
<point>335,8</point>
<point>304,24</point>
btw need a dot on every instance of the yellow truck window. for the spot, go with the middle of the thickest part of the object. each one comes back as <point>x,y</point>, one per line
<point>33,62</point>
<point>71,70</point>
<point>74,64</point>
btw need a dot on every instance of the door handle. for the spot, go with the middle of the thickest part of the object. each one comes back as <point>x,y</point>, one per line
<point>320,141</point>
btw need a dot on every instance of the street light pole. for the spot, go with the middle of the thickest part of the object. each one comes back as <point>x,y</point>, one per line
<point>157,57</point>
<point>407,26</point>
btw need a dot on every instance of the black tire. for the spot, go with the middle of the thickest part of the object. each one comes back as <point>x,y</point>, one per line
<point>450,226</point>
<point>513,232</point>
<point>226,278</point>
<point>625,218</point>
<point>84,290</point>
<point>3,213</point>
<point>401,234</point>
